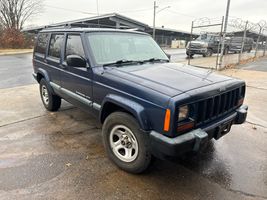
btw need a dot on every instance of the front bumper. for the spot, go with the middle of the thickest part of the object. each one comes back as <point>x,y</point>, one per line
<point>235,49</point>
<point>194,140</point>
<point>197,51</point>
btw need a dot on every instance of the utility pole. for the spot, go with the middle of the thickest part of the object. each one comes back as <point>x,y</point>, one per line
<point>154,20</point>
<point>224,32</point>
<point>191,38</point>
<point>97,8</point>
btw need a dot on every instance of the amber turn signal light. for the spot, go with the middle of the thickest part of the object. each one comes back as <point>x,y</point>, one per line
<point>167,120</point>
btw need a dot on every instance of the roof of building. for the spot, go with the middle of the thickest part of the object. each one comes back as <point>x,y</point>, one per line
<point>108,21</point>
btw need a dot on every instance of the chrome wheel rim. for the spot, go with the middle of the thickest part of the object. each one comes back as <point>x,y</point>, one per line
<point>44,94</point>
<point>123,143</point>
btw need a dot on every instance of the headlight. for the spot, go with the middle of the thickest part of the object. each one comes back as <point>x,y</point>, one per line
<point>205,45</point>
<point>183,113</point>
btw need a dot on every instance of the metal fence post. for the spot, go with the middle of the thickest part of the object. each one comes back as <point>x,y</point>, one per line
<point>243,42</point>
<point>257,45</point>
<point>189,56</point>
<point>218,50</point>
<point>265,46</point>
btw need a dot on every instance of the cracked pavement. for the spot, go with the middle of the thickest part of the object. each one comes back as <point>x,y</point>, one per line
<point>60,155</point>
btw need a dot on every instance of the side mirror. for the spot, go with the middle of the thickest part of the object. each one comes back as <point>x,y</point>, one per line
<point>76,61</point>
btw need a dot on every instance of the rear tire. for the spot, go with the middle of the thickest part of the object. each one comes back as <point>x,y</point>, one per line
<point>51,102</point>
<point>125,143</point>
<point>226,51</point>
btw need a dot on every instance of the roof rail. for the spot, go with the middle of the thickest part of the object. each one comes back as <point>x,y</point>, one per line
<point>83,25</point>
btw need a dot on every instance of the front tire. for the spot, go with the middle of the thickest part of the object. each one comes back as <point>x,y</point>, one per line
<point>125,143</point>
<point>51,102</point>
<point>208,53</point>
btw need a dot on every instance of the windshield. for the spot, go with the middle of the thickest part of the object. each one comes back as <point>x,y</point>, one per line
<point>204,37</point>
<point>109,47</point>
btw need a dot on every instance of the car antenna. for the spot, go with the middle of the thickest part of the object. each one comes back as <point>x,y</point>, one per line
<point>97,10</point>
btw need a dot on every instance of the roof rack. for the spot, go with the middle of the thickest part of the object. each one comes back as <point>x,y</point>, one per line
<point>83,25</point>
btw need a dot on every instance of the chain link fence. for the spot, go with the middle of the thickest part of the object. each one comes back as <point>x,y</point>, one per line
<point>244,42</point>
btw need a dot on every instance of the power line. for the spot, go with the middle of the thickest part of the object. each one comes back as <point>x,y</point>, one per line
<point>72,10</point>
<point>140,10</point>
<point>178,13</point>
<point>92,13</point>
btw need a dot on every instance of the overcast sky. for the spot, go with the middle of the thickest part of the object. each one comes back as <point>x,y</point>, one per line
<point>178,16</point>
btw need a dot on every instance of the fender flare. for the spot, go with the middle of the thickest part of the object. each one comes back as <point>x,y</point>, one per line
<point>46,77</point>
<point>136,109</point>
<point>43,73</point>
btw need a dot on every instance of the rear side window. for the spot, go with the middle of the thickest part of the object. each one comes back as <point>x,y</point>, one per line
<point>42,43</point>
<point>74,46</point>
<point>56,42</point>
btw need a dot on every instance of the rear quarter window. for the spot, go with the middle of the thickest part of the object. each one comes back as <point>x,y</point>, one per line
<point>41,43</point>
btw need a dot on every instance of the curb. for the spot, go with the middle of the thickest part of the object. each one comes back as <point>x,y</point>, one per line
<point>15,52</point>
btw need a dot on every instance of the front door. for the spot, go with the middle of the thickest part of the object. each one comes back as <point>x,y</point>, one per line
<point>76,83</point>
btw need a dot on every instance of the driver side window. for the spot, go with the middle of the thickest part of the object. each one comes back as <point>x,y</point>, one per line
<point>74,46</point>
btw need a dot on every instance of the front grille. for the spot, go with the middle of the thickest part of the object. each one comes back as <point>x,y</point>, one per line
<point>196,46</point>
<point>216,106</point>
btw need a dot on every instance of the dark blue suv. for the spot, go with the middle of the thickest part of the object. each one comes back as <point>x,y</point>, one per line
<point>148,106</point>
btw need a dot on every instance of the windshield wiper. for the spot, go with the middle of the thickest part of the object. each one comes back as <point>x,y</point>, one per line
<point>120,62</point>
<point>155,60</point>
<point>123,61</point>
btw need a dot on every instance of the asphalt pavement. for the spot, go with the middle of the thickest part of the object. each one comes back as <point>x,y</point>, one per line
<point>260,65</point>
<point>16,70</point>
<point>60,155</point>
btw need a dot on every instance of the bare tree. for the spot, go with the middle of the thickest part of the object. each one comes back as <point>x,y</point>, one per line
<point>14,13</point>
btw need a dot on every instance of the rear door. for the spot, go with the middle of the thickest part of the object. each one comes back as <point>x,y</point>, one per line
<point>76,82</point>
<point>54,57</point>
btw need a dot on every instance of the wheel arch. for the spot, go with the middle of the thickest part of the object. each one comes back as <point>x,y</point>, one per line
<point>41,73</point>
<point>113,103</point>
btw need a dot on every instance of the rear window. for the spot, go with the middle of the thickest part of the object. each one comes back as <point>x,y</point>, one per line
<point>42,43</point>
<point>56,43</point>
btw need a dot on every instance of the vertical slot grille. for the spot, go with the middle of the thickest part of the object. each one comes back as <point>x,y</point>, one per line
<point>218,105</point>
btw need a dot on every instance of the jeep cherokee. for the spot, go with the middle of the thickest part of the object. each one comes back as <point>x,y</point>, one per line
<point>147,105</point>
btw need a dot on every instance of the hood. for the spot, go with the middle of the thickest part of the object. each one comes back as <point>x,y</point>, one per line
<point>198,43</point>
<point>170,79</point>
